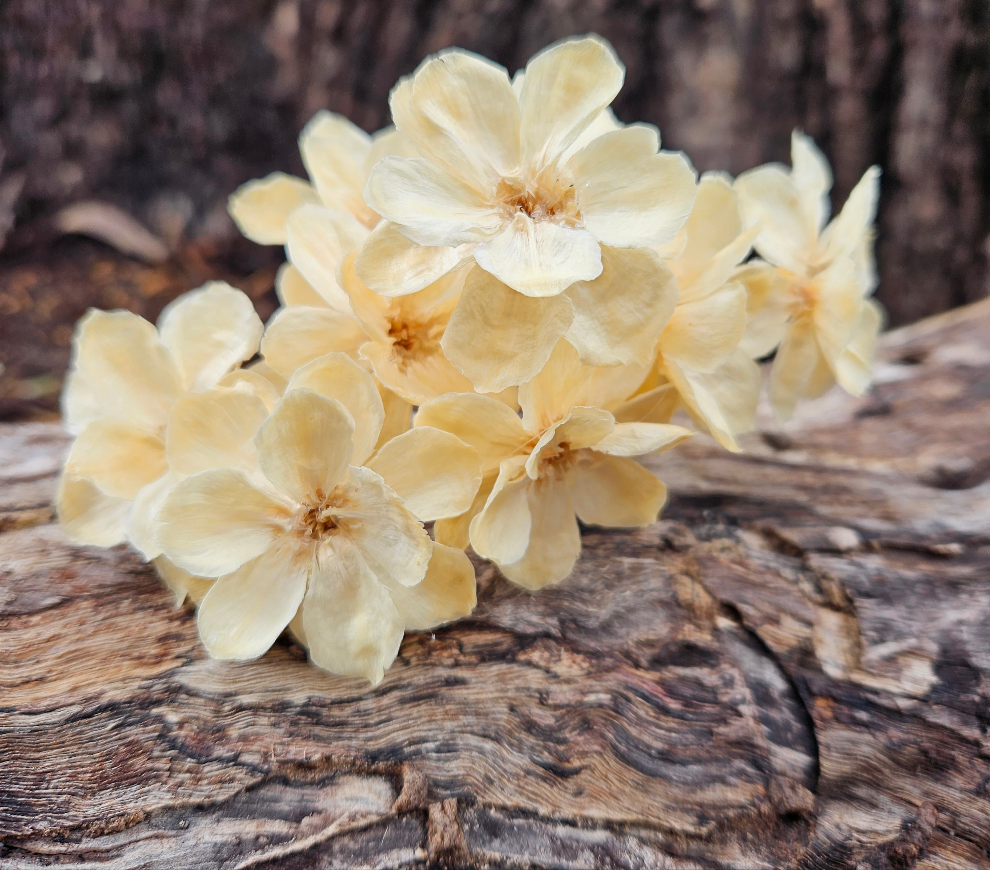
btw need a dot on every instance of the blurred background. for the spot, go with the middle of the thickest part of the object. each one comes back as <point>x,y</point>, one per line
<point>125,124</point>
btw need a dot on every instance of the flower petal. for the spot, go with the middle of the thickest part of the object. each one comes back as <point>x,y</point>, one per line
<point>392,265</point>
<point>292,289</point>
<point>350,624</point>
<point>501,531</point>
<point>334,152</point>
<point>434,473</point>
<point>418,378</point>
<point>336,376</point>
<point>540,258</point>
<point>853,224</point>
<point>616,492</point>
<point>119,458</point>
<point>317,240</point>
<point>793,367</point>
<point>656,405</point>
<point>261,207</point>
<point>456,531</point>
<point>79,403</point>
<point>582,427</point>
<point>500,338</point>
<point>565,88</point>
<point>142,524</point>
<point>812,177</point>
<point>398,415</point>
<point>448,592</point>
<point>768,304</point>
<point>306,444</point>
<point>555,540</point>
<point>838,309</point>
<point>299,334</point>
<point>701,335</point>
<point>459,110</point>
<point>252,383</point>
<point>618,316</point>
<point>88,515</point>
<point>770,198</point>
<point>636,439</point>
<point>214,429</point>
<point>125,368</point>
<point>429,205</point>
<point>245,611</point>
<point>182,583</point>
<point>852,367</point>
<point>486,424</point>
<point>391,540</point>
<point>630,196</point>
<point>214,522</point>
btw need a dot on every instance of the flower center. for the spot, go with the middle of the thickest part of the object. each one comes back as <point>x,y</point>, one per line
<point>316,519</point>
<point>411,338</point>
<point>548,197</point>
<point>555,461</point>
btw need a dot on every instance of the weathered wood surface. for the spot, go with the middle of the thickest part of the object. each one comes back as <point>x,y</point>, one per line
<point>792,669</point>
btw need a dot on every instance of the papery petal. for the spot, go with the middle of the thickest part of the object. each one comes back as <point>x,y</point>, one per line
<point>398,416</point>
<point>852,367</point>
<point>336,376</point>
<point>636,439</point>
<point>722,401</point>
<point>548,396</point>
<point>656,405</point>
<point>334,152</point>
<point>260,367</point>
<point>484,423</point>
<point>582,427</point>
<point>838,308</point>
<point>812,177</point>
<point>261,207</point>
<point>391,540</point>
<point>768,307</point>
<point>214,429</point>
<point>306,444</point>
<point>119,458</point>
<point>214,522</point>
<point>419,378</point>
<point>80,403</point>
<point>459,110</point>
<point>619,316</point>
<point>299,334</point>
<point>370,308</point>
<point>317,240</point>
<point>565,88</point>
<point>616,492</point>
<point>500,338</point>
<point>126,369</point>
<point>555,540</point>
<point>501,531</point>
<point>182,583</point>
<point>540,258</point>
<point>245,611</point>
<point>701,335</point>
<point>292,289</point>
<point>770,199</point>
<point>252,383</point>
<point>388,142</point>
<point>448,592</point>
<point>793,366</point>
<point>393,265</point>
<point>434,473</point>
<point>851,226</point>
<point>349,622</point>
<point>630,196</point>
<point>428,205</point>
<point>456,531</point>
<point>605,122</point>
<point>88,515</point>
<point>142,524</point>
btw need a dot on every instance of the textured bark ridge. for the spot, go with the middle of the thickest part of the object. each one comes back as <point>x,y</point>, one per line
<point>792,669</point>
<point>165,107</point>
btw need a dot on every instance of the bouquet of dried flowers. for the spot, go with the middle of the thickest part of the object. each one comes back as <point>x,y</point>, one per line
<point>488,310</point>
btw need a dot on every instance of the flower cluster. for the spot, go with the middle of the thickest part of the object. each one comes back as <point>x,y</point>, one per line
<point>487,311</point>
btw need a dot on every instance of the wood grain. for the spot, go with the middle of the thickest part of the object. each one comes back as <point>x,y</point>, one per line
<point>791,669</point>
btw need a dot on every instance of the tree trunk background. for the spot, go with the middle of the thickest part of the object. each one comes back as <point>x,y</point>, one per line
<point>163,107</point>
<point>790,670</point>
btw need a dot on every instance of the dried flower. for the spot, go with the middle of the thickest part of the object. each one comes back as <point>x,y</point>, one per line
<point>810,297</point>
<point>562,241</point>
<point>315,529</point>
<point>567,456</point>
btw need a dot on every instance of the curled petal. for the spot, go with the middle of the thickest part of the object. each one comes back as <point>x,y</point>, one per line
<point>501,530</point>
<point>398,416</point>
<point>261,207</point>
<point>656,405</point>
<point>448,592</point>
<point>636,439</point>
<point>182,583</point>
<point>456,531</point>
<point>582,427</point>
<point>253,383</point>
<point>617,492</point>
<point>88,515</point>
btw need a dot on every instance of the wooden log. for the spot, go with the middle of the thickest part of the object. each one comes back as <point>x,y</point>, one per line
<point>791,669</point>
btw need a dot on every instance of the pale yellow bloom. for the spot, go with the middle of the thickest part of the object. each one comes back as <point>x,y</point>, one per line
<point>567,458</point>
<point>125,380</point>
<point>320,530</point>
<point>699,365</point>
<point>809,297</point>
<point>561,240</point>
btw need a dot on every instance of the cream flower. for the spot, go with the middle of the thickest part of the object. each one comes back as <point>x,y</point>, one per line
<point>317,532</point>
<point>810,297</point>
<point>567,456</point>
<point>125,379</point>
<point>699,364</point>
<point>562,240</point>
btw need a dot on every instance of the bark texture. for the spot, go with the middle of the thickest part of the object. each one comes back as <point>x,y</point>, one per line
<point>791,669</point>
<point>164,107</point>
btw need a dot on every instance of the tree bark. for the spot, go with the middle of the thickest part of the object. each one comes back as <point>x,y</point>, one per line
<point>791,669</point>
